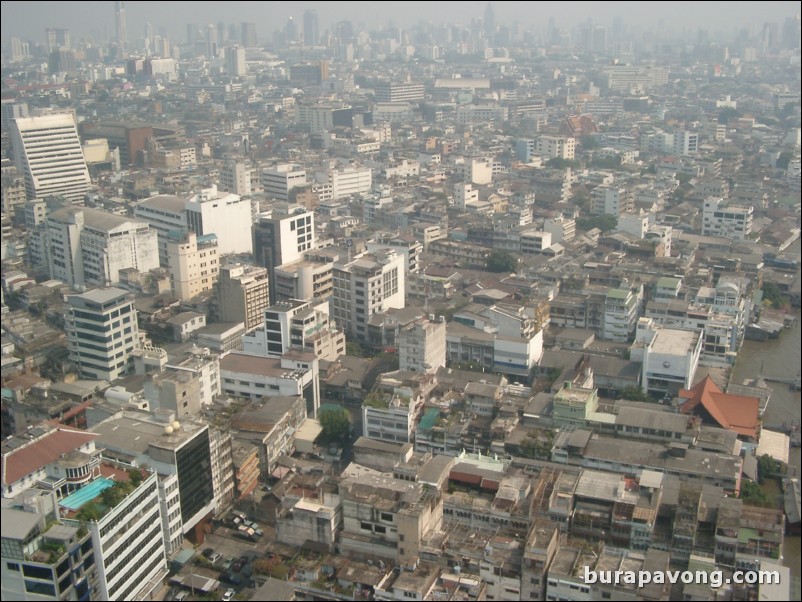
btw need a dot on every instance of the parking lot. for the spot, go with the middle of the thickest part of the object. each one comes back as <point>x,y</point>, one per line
<point>230,547</point>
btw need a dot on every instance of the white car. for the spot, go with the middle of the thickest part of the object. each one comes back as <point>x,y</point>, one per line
<point>229,595</point>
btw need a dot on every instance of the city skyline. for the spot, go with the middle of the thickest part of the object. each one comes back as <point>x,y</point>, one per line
<point>24,20</point>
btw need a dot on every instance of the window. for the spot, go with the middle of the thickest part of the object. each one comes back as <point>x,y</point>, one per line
<point>12,566</point>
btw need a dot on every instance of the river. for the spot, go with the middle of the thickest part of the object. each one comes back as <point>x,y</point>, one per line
<point>780,358</point>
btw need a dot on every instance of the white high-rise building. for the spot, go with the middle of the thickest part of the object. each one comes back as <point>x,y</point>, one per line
<point>235,177</point>
<point>612,200</point>
<point>279,180</point>
<point>561,147</point>
<point>464,195</point>
<point>89,246</point>
<point>371,283</point>
<point>729,221</point>
<point>422,346</point>
<point>47,151</point>
<point>226,215</point>
<point>562,229</point>
<point>350,180</point>
<point>102,332</point>
<point>685,143</point>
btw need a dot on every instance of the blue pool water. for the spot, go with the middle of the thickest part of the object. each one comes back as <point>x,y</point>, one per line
<point>86,493</point>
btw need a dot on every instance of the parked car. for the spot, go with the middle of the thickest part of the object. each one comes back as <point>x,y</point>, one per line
<point>229,595</point>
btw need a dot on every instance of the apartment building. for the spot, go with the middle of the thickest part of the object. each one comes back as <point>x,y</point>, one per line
<point>283,237</point>
<point>387,518</point>
<point>300,325</point>
<point>369,284</point>
<point>193,261</point>
<point>242,294</point>
<point>559,147</point>
<point>422,346</point>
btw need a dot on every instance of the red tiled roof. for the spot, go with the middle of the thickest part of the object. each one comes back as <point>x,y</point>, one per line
<point>737,413</point>
<point>36,455</point>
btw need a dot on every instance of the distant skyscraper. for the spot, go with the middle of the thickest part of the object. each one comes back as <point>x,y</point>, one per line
<point>248,35</point>
<point>311,30</point>
<point>119,12</point>
<point>345,31</point>
<point>291,31</point>
<point>791,32</point>
<point>211,41</point>
<point>57,38</point>
<point>19,49</point>
<point>490,20</point>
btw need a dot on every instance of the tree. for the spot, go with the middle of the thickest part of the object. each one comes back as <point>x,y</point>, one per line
<point>605,223</point>
<point>767,466</point>
<point>336,424</point>
<point>501,261</point>
<point>784,159</point>
<point>727,114</point>
<point>560,163</point>
<point>634,394</point>
<point>772,295</point>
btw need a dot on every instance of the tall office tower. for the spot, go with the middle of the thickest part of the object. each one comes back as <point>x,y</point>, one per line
<point>109,311</point>
<point>184,454</point>
<point>490,20</point>
<point>242,294</point>
<point>47,152</point>
<point>282,238</point>
<point>89,246</point>
<point>221,32</point>
<point>311,29</point>
<point>119,14</point>
<point>248,35</point>
<point>235,61</point>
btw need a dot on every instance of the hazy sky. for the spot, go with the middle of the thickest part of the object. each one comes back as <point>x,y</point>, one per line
<point>28,20</point>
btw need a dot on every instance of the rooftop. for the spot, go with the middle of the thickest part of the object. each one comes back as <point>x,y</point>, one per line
<point>21,457</point>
